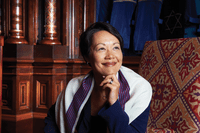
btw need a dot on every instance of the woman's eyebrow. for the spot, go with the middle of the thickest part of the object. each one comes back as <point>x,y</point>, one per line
<point>100,44</point>
<point>116,43</point>
<point>105,44</point>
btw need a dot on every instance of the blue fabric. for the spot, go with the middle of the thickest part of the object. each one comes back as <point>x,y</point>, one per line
<point>146,22</point>
<point>121,19</point>
<point>51,126</point>
<point>116,119</point>
<point>191,18</point>
<point>172,13</point>
<point>141,21</point>
<point>198,13</point>
<point>114,116</point>
<point>190,9</point>
<point>103,10</point>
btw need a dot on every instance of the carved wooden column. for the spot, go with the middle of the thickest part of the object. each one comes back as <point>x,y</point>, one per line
<point>50,24</point>
<point>0,17</point>
<point>1,53</point>
<point>16,32</point>
<point>77,16</point>
<point>17,88</point>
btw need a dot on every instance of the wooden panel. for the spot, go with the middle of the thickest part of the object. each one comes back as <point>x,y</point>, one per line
<point>24,95</point>
<point>41,94</point>
<point>1,53</point>
<point>7,95</point>
<point>59,86</point>
<point>132,62</point>
<point>23,126</point>
<point>78,15</point>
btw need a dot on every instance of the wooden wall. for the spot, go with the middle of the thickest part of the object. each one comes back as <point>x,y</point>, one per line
<point>41,54</point>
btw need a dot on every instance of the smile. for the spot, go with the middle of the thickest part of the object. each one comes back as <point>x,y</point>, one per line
<point>109,64</point>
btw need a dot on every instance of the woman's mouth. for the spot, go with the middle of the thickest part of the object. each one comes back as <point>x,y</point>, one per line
<point>109,64</point>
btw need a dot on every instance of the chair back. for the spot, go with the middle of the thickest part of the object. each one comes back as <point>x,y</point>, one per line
<point>173,68</point>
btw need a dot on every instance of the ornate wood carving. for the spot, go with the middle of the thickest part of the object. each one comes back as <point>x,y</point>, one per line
<point>50,24</point>
<point>41,95</point>
<point>5,94</point>
<point>78,15</point>
<point>16,31</point>
<point>1,17</point>
<point>24,95</point>
<point>58,87</point>
<point>1,55</point>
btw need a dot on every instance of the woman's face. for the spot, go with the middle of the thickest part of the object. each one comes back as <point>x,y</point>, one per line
<point>105,54</point>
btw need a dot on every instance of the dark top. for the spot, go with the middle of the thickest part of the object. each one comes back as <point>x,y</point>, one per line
<point>113,118</point>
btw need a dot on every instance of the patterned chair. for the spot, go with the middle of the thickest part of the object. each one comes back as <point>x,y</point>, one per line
<point>173,68</point>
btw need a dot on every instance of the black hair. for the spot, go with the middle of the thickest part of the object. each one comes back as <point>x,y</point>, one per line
<point>86,36</point>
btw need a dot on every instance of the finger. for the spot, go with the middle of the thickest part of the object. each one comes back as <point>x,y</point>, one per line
<point>109,79</point>
<point>112,87</point>
<point>113,93</point>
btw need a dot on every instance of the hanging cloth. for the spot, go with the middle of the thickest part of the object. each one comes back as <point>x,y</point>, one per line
<point>172,13</point>
<point>198,13</point>
<point>192,21</point>
<point>146,22</point>
<point>103,10</point>
<point>121,18</point>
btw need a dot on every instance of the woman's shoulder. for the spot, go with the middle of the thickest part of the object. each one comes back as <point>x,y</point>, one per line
<point>72,86</point>
<point>133,78</point>
<point>76,81</point>
<point>130,74</point>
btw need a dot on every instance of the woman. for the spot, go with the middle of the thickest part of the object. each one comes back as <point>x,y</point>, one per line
<point>109,99</point>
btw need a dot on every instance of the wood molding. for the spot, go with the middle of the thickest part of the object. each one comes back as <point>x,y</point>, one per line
<point>20,117</point>
<point>39,115</point>
<point>1,76</point>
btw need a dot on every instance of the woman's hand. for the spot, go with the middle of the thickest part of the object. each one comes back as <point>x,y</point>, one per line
<point>111,83</point>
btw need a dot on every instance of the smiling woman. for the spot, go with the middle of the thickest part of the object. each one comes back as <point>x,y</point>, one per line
<point>105,54</point>
<point>109,99</point>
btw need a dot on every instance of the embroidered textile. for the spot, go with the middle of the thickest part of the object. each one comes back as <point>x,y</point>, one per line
<point>173,68</point>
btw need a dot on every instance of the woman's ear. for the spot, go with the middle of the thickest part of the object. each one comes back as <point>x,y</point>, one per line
<point>86,59</point>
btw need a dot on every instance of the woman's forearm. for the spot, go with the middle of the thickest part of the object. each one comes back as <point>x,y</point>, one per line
<point>118,120</point>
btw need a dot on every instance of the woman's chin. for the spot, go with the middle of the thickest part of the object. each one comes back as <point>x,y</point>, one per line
<point>106,73</point>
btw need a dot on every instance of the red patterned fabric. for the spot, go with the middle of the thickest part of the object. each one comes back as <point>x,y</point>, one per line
<point>173,68</point>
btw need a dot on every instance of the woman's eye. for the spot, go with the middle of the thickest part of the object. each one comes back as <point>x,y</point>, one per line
<point>101,49</point>
<point>116,47</point>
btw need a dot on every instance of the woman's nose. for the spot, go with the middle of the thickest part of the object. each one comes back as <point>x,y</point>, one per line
<point>109,55</point>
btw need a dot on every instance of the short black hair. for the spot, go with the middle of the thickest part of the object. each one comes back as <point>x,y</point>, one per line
<point>86,36</point>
